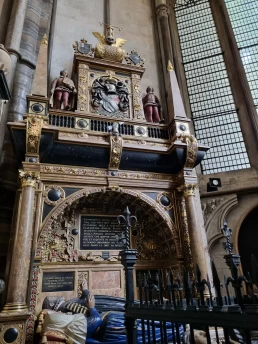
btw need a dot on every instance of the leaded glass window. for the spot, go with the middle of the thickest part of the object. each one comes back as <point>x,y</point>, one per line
<point>213,109</point>
<point>244,19</point>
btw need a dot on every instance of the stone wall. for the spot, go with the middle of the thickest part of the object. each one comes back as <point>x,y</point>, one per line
<point>135,19</point>
<point>5,10</point>
<point>78,19</point>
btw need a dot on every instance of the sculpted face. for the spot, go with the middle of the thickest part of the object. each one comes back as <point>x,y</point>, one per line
<point>63,73</point>
<point>150,89</point>
<point>110,35</point>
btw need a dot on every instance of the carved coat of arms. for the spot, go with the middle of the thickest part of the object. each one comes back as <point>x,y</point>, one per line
<point>110,97</point>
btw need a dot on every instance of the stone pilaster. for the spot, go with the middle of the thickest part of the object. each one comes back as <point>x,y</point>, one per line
<point>20,263</point>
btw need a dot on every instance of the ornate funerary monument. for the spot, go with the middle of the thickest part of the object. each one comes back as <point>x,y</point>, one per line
<point>86,153</point>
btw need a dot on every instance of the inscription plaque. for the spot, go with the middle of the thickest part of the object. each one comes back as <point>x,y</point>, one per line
<point>100,233</point>
<point>58,281</point>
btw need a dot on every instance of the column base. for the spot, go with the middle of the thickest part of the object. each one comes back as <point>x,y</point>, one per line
<point>15,307</point>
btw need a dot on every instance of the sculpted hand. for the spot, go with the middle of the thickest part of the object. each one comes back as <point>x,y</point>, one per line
<point>84,284</point>
<point>91,301</point>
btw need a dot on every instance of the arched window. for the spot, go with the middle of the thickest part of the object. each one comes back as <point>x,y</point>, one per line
<point>244,19</point>
<point>213,109</point>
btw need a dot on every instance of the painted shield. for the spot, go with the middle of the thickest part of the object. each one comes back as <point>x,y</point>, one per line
<point>84,48</point>
<point>135,58</point>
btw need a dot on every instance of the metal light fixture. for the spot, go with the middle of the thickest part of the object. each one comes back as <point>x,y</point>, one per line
<point>213,184</point>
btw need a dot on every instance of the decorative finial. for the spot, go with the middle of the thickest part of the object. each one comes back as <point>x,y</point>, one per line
<point>228,245</point>
<point>170,67</point>
<point>44,39</point>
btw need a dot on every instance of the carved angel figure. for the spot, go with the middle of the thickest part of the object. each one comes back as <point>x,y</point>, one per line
<point>109,47</point>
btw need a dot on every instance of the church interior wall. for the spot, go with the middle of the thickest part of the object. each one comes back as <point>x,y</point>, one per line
<point>5,11</point>
<point>135,17</point>
<point>74,20</point>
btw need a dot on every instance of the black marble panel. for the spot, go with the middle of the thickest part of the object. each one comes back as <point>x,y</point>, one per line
<point>58,281</point>
<point>100,233</point>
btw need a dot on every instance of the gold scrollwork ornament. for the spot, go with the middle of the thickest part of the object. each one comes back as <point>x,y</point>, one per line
<point>116,148</point>
<point>33,133</point>
<point>192,149</point>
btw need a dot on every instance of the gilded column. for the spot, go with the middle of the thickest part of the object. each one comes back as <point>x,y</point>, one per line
<point>20,264</point>
<point>195,234</point>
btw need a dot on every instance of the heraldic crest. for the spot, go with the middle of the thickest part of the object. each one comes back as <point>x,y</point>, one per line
<point>110,96</point>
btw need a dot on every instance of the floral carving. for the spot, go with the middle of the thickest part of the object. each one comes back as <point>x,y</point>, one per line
<point>209,206</point>
<point>82,87</point>
<point>33,133</point>
<point>103,173</point>
<point>32,305</point>
<point>137,100</point>
<point>116,148</point>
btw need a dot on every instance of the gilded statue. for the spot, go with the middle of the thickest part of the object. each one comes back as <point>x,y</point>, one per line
<point>109,47</point>
<point>62,92</point>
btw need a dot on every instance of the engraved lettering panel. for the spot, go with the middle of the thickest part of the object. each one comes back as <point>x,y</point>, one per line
<point>57,281</point>
<point>100,233</point>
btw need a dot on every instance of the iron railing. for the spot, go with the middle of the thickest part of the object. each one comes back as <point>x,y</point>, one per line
<point>175,309</point>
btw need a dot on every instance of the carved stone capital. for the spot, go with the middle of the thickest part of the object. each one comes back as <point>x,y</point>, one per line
<point>29,178</point>
<point>188,189</point>
<point>162,11</point>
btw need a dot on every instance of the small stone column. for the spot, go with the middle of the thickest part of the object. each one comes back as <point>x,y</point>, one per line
<point>162,12</point>
<point>20,264</point>
<point>194,227</point>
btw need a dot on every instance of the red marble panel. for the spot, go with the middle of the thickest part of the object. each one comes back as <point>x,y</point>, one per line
<point>106,280</point>
<point>109,292</point>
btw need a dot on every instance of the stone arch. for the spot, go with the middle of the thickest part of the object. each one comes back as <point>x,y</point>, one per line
<point>215,212</point>
<point>84,193</point>
<point>234,209</point>
<point>247,239</point>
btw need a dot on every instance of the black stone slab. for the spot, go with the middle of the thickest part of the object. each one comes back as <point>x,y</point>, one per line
<point>58,281</point>
<point>100,233</point>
